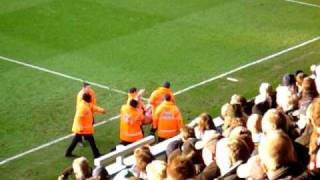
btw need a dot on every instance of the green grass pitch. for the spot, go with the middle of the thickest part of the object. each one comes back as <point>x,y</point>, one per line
<point>133,43</point>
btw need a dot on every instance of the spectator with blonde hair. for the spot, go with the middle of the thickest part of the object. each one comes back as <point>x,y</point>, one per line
<point>80,168</point>
<point>242,101</point>
<point>156,170</point>
<point>265,94</point>
<point>244,134</point>
<point>229,151</point>
<point>308,93</point>
<point>278,156</point>
<point>287,98</point>
<point>205,123</point>
<point>143,157</point>
<point>274,120</point>
<point>186,132</point>
<point>299,78</point>
<point>277,120</point>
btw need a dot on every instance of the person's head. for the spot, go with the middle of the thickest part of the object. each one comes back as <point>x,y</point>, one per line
<point>86,87</point>
<point>143,157</point>
<point>167,97</point>
<point>260,108</point>
<point>244,134</point>
<point>254,123</point>
<point>237,99</point>
<point>299,71</point>
<point>86,97</point>
<point>205,122</point>
<point>309,87</point>
<point>286,98</point>
<point>299,78</point>
<point>180,167</point>
<point>133,103</point>
<point>233,122</point>
<point>225,109</point>
<point>81,168</point>
<point>156,170</point>
<point>288,80</point>
<point>229,151</point>
<point>276,151</point>
<point>166,84</point>
<point>265,89</point>
<point>100,173</point>
<point>274,120</point>
<point>85,84</point>
<point>231,110</point>
<point>188,149</point>
<point>186,132</point>
<point>133,90</point>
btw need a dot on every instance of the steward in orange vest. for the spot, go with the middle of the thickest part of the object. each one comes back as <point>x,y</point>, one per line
<point>131,119</point>
<point>83,125</point>
<point>167,119</point>
<point>86,89</point>
<point>157,96</point>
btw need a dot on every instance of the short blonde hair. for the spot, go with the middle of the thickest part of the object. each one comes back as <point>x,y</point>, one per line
<point>276,150</point>
<point>156,170</point>
<point>81,168</point>
<point>225,109</point>
<point>238,150</point>
<point>265,88</point>
<point>274,120</point>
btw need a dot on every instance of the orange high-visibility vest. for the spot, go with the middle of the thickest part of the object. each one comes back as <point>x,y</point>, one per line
<point>130,122</point>
<point>158,95</point>
<point>91,93</point>
<point>82,123</point>
<point>167,120</point>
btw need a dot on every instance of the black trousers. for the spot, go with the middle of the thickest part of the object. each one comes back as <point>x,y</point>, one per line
<point>77,138</point>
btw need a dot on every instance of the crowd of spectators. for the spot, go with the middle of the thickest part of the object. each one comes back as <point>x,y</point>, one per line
<point>275,135</point>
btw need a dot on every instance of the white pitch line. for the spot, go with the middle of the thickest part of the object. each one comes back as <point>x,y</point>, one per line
<point>51,143</point>
<point>247,65</point>
<point>60,74</point>
<point>176,93</point>
<point>232,79</point>
<point>304,3</point>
